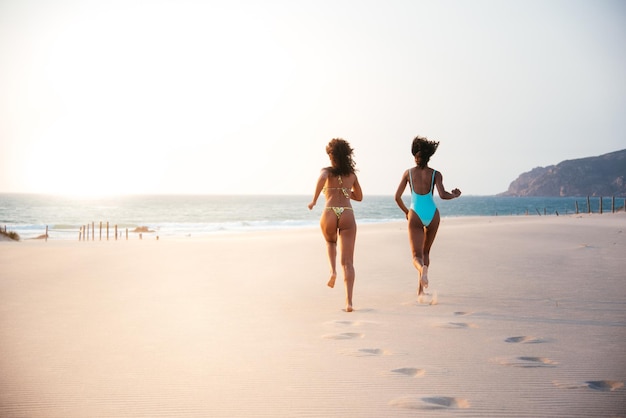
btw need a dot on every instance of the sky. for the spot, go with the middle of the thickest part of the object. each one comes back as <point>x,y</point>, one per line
<point>242,96</point>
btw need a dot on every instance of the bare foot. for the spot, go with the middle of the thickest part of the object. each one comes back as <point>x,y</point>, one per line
<point>349,308</point>
<point>331,281</point>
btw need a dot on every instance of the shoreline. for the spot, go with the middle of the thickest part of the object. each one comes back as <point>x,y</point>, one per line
<point>203,215</point>
<point>152,234</point>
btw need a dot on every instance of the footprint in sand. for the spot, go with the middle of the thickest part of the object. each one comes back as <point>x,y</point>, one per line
<point>525,340</point>
<point>461,313</point>
<point>527,362</point>
<point>600,385</point>
<point>458,325</point>
<point>605,385</point>
<point>344,336</point>
<point>430,402</point>
<point>348,323</point>
<point>345,323</point>
<point>367,352</point>
<point>409,371</point>
<point>372,352</point>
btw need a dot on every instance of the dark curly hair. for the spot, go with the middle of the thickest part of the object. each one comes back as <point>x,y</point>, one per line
<point>340,153</point>
<point>424,148</point>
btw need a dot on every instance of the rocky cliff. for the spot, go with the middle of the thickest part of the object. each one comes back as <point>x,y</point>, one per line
<point>604,175</point>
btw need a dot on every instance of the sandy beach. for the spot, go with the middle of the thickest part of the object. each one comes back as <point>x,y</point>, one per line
<point>525,317</point>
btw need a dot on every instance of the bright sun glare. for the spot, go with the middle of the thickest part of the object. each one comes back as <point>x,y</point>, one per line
<point>125,99</point>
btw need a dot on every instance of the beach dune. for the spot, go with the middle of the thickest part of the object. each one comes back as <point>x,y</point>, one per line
<point>525,317</point>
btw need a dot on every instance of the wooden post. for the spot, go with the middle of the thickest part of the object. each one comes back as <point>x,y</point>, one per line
<point>93,231</point>
<point>107,230</point>
<point>588,205</point>
<point>126,234</point>
<point>115,232</point>
<point>100,230</point>
<point>46,237</point>
<point>601,205</point>
<point>613,204</point>
<point>80,232</point>
<point>576,206</point>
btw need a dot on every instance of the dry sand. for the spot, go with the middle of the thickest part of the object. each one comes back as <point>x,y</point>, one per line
<point>526,318</point>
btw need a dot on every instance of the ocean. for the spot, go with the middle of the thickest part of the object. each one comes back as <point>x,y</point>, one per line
<point>200,215</point>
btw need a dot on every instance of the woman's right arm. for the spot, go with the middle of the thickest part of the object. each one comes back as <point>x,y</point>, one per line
<point>318,187</point>
<point>400,191</point>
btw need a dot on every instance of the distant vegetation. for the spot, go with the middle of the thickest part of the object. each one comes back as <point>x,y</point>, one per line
<point>604,175</point>
<point>10,234</point>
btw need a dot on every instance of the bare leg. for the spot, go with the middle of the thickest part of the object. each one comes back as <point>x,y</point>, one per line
<point>328,223</point>
<point>332,257</point>
<point>429,238</point>
<point>417,238</point>
<point>347,235</point>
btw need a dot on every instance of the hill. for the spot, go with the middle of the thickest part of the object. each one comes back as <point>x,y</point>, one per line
<point>604,175</point>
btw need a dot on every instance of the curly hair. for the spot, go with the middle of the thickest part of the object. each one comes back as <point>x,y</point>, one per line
<point>340,153</point>
<point>424,148</point>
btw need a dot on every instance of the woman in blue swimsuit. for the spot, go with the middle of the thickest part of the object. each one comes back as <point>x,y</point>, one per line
<point>423,215</point>
<point>339,184</point>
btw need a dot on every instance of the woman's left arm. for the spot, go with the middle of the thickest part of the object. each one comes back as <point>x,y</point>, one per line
<point>442,190</point>
<point>356,193</point>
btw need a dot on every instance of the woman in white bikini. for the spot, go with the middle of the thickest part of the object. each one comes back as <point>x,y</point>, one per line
<point>339,184</point>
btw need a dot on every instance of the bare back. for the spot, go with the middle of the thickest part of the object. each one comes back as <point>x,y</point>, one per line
<point>422,179</point>
<point>337,190</point>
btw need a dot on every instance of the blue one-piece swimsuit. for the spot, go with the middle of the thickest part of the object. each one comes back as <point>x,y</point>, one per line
<point>423,204</point>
